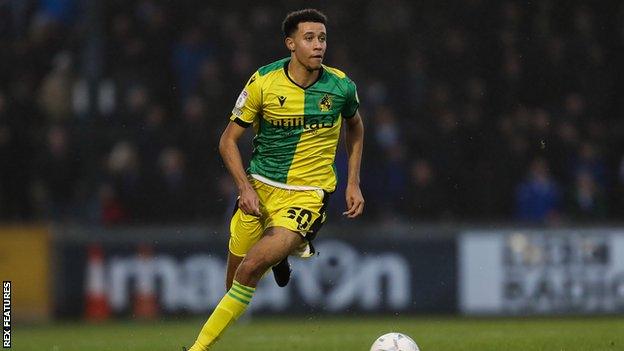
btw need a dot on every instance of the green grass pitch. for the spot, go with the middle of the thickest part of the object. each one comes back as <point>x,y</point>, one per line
<point>339,334</point>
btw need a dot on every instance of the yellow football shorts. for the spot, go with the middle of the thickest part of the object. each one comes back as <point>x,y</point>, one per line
<point>301,211</point>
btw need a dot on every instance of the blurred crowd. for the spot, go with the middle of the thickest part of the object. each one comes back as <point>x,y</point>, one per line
<point>110,111</point>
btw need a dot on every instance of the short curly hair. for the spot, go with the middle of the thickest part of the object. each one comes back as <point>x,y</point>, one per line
<point>289,26</point>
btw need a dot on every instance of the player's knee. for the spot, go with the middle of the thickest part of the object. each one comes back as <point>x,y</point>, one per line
<point>251,268</point>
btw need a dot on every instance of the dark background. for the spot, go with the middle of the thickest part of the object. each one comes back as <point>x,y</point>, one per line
<point>110,111</point>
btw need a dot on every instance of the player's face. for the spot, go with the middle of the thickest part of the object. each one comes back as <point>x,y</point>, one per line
<point>309,43</point>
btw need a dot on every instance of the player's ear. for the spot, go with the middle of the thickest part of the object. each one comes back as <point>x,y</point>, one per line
<point>290,44</point>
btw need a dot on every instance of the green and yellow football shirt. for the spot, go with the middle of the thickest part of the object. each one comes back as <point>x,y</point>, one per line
<point>297,129</point>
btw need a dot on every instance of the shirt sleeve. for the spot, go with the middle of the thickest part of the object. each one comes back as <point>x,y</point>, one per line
<point>249,103</point>
<point>352,103</point>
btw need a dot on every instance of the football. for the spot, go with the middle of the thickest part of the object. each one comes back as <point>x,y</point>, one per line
<point>394,342</point>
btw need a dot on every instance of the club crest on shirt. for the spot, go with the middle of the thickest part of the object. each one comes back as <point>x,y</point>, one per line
<point>326,103</point>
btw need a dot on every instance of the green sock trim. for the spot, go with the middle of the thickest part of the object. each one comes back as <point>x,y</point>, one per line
<point>237,298</point>
<point>243,294</point>
<point>243,287</point>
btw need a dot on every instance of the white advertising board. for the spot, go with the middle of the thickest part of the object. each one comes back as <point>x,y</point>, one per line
<point>541,272</point>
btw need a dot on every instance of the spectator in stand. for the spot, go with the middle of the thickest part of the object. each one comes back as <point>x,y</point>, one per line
<point>562,146</point>
<point>137,104</point>
<point>152,137</point>
<point>423,199</point>
<point>61,11</point>
<point>446,157</point>
<point>211,87</point>
<point>198,142</point>
<point>188,55</point>
<point>123,174</point>
<point>586,202</point>
<point>589,160</point>
<point>58,172</point>
<point>538,197</point>
<point>417,80</point>
<point>109,210</point>
<point>171,190</point>
<point>390,173</point>
<point>56,87</point>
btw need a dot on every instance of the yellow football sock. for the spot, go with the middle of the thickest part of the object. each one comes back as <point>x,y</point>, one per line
<point>232,306</point>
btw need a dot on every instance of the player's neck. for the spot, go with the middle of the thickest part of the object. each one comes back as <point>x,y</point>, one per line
<point>300,74</point>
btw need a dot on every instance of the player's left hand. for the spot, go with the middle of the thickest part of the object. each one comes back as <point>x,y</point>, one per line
<point>355,201</point>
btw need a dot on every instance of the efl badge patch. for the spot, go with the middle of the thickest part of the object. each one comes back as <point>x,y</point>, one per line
<point>240,103</point>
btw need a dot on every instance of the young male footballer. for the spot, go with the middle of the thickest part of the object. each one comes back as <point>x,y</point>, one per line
<point>296,106</point>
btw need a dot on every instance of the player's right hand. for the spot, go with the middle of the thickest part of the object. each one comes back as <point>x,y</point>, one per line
<point>249,202</point>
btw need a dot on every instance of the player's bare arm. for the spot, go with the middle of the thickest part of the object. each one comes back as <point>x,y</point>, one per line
<point>248,201</point>
<point>355,142</point>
